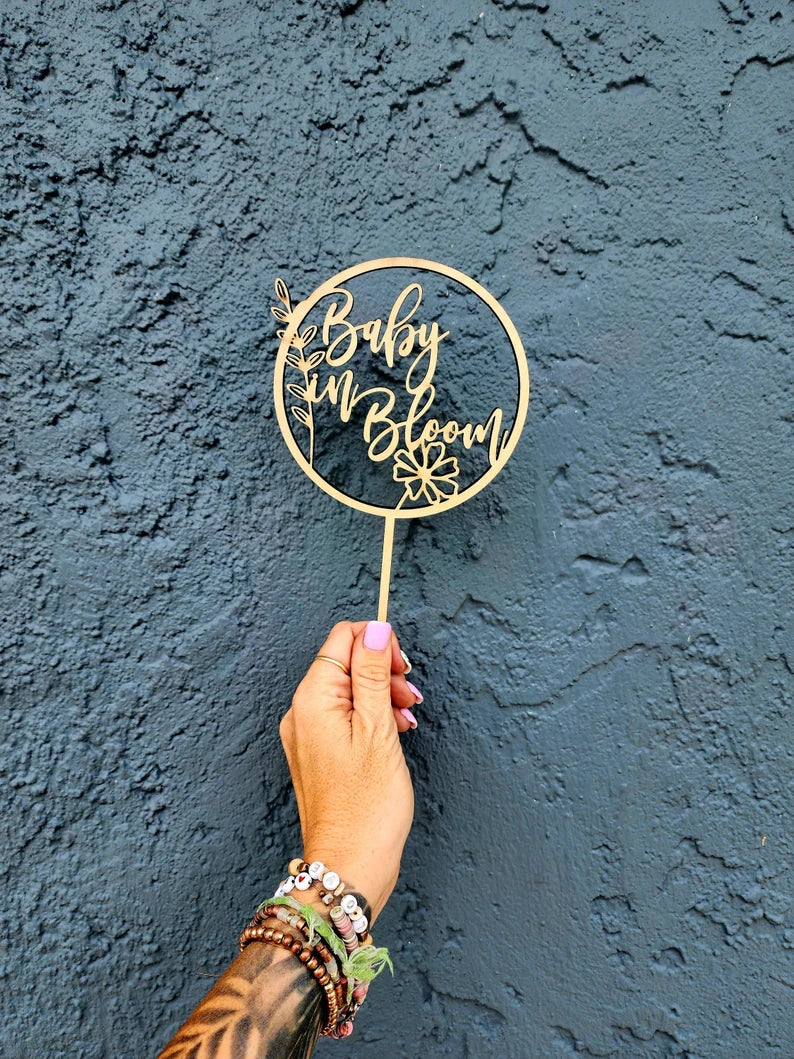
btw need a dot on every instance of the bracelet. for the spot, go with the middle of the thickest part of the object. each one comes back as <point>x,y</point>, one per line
<point>294,920</point>
<point>307,958</point>
<point>340,954</point>
<point>301,876</point>
<point>344,928</point>
<point>314,956</point>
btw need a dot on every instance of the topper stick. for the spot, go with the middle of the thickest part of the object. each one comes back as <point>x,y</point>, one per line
<point>385,567</point>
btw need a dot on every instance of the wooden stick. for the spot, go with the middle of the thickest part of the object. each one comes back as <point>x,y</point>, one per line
<point>385,567</point>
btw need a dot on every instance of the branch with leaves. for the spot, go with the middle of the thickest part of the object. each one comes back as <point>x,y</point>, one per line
<point>299,361</point>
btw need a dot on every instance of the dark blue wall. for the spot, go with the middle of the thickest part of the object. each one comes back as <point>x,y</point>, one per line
<point>602,858</point>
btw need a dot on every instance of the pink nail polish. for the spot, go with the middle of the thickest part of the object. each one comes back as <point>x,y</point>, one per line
<point>377,635</point>
<point>409,717</point>
<point>415,691</point>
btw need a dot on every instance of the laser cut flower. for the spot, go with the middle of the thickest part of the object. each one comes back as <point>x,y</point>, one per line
<point>427,473</point>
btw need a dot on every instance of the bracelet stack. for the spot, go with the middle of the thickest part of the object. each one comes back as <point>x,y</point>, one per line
<point>339,951</point>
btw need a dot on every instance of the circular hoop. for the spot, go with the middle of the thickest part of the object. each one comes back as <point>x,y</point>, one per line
<point>419,264</point>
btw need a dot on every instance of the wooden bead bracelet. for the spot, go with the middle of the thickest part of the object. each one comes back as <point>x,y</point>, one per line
<point>320,961</point>
<point>298,923</point>
<point>306,956</point>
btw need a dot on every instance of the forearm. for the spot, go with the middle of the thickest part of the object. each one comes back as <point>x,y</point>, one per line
<point>265,1006</point>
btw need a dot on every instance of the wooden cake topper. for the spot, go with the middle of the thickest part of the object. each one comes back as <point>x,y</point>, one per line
<point>326,359</point>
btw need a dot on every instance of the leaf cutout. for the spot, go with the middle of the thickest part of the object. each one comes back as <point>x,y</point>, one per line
<point>308,335</point>
<point>315,358</point>
<point>281,291</point>
<point>297,391</point>
<point>300,414</point>
<point>281,333</point>
<point>293,361</point>
<point>280,314</point>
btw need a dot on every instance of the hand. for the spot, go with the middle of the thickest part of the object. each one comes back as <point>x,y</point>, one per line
<point>352,785</point>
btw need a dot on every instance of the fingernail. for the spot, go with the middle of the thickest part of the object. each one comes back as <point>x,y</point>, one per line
<point>409,717</point>
<point>377,635</point>
<point>406,659</point>
<point>419,696</point>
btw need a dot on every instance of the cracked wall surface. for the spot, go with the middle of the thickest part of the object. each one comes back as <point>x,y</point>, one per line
<point>601,863</point>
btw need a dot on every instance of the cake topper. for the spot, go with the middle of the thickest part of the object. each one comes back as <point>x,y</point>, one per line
<point>361,390</point>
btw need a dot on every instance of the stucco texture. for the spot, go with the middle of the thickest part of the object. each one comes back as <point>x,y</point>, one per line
<point>601,863</point>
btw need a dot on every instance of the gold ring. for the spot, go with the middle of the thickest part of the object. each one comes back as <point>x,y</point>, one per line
<point>334,662</point>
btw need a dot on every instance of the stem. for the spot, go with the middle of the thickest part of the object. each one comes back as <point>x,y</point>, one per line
<point>311,419</point>
<point>385,567</point>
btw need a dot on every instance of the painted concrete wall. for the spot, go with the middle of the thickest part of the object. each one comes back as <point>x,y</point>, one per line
<point>602,858</point>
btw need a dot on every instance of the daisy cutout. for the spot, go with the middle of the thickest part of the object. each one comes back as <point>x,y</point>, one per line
<point>427,473</point>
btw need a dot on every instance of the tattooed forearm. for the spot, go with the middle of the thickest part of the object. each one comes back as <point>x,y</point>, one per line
<point>266,1006</point>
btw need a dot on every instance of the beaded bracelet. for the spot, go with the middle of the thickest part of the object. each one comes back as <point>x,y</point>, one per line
<point>347,996</point>
<point>302,876</point>
<point>344,928</point>
<point>306,957</point>
<point>294,920</point>
<point>345,964</point>
<point>358,969</point>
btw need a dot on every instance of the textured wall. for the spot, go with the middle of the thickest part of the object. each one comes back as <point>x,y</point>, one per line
<point>602,858</point>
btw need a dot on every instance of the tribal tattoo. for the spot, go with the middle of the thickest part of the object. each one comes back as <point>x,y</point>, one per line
<point>266,1006</point>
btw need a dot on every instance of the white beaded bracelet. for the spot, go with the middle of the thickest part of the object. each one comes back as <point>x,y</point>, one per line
<point>302,876</point>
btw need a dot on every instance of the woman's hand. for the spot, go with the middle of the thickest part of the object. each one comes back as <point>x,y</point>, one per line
<point>341,738</point>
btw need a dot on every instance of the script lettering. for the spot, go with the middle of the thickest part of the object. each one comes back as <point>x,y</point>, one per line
<point>417,441</point>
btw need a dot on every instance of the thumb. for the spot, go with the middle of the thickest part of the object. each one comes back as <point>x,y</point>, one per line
<point>370,671</point>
